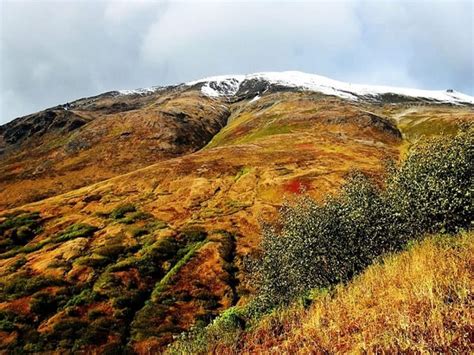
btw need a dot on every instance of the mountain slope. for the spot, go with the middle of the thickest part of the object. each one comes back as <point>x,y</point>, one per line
<point>419,300</point>
<point>140,257</point>
<point>92,139</point>
<point>89,140</point>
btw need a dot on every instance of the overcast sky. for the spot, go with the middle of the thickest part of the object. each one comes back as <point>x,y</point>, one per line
<point>56,51</point>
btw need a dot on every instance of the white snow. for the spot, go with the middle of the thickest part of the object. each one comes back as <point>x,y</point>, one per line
<point>220,86</point>
<point>143,91</point>
<point>254,99</point>
<point>228,85</point>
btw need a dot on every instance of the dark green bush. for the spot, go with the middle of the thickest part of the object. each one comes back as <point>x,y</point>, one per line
<point>136,216</point>
<point>193,235</point>
<point>95,314</point>
<point>18,263</point>
<point>6,325</point>
<point>20,219</point>
<point>18,229</point>
<point>75,231</point>
<point>316,245</point>
<point>85,297</point>
<point>25,284</point>
<point>122,210</point>
<point>96,261</point>
<point>66,330</point>
<point>43,303</point>
<point>110,251</point>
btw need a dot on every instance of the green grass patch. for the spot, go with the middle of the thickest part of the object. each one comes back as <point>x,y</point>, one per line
<point>75,231</point>
<point>413,129</point>
<point>18,228</point>
<point>72,232</point>
<point>120,211</point>
<point>191,250</point>
<point>266,131</point>
<point>24,285</point>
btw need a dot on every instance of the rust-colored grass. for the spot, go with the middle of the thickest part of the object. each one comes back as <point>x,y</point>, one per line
<point>418,301</point>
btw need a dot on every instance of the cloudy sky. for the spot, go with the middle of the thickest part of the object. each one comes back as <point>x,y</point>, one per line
<point>52,52</point>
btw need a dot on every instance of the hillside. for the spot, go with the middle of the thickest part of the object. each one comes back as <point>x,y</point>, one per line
<point>419,300</point>
<point>148,201</point>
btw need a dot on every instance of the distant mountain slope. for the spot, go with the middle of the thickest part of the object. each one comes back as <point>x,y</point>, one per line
<point>92,139</point>
<point>89,140</point>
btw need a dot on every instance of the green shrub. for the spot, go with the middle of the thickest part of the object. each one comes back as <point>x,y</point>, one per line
<point>122,210</point>
<point>316,245</point>
<point>85,297</point>
<point>66,330</point>
<point>20,219</point>
<point>18,263</point>
<point>43,303</point>
<point>75,231</point>
<point>138,231</point>
<point>7,325</point>
<point>25,284</point>
<point>193,235</point>
<point>136,216</point>
<point>95,333</point>
<point>110,251</point>
<point>190,250</point>
<point>225,329</point>
<point>94,260</point>
<point>95,314</point>
<point>18,229</point>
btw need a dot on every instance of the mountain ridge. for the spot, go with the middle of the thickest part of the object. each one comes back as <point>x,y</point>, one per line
<point>229,85</point>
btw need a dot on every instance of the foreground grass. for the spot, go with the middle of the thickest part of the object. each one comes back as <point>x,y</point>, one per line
<point>420,300</point>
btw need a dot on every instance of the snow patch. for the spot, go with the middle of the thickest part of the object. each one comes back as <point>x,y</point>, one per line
<point>220,85</point>
<point>228,85</point>
<point>254,99</point>
<point>142,91</point>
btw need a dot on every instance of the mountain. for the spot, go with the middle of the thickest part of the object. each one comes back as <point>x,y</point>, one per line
<point>126,217</point>
<point>92,139</point>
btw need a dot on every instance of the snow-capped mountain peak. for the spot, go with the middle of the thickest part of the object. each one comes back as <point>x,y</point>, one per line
<point>230,85</point>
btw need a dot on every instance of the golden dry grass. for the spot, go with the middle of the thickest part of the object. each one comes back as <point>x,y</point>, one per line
<point>418,301</point>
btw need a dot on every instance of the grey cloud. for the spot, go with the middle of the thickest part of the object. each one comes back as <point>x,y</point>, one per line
<point>53,52</point>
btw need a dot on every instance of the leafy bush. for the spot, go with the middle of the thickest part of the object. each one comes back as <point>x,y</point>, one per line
<point>95,314</point>
<point>136,216</point>
<point>75,231</point>
<point>43,303</point>
<point>67,329</point>
<point>110,251</point>
<point>18,263</point>
<point>25,284</point>
<point>94,261</point>
<point>122,210</point>
<point>18,229</point>
<point>20,219</point>
<point>316,245</point>
<point>193,235</point>
<point>95,333</point>
<point>85,297</point>
<point>223,330</point>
